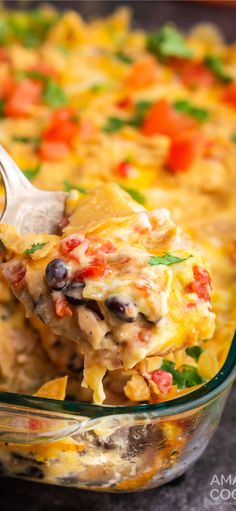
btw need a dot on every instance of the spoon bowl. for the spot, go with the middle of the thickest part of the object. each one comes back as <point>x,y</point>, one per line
<point>27,208</point>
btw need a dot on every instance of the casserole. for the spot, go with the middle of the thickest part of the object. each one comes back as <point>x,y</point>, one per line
<point>106,448</point>
<point>110,448</point>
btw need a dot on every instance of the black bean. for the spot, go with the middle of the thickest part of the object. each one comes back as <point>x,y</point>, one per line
<point>20,457</point>
<point>2,469</point>
<point>93,306</point>
<point>74,293</point>
<point>56,274</point>
<point>124,308</point>
<point>32,472</point>
<point>75,363</point>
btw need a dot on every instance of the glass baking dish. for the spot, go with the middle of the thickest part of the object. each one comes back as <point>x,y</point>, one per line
<point>110,448</point>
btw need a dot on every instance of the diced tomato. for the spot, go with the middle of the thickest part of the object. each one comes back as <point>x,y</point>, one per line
<point>85,129</point>
<point>144,335</point>
<point>163,380</point>
<point>201,284</point>
<point>17,275</point>
<point>142,73</point>
<point>62,308</point>
<point>44,69</point>
<point>196,75</point>
<point>107,248</point>
<point>63,132</point>
<point>144,285</point>
<point>53,151</point>
<point>63,127</point>
<point>94,270</point>
<point>7,87</point>
<point>124,103</point>
<point>123,169</point>
<point>70,243</point>
<point>191,305</point>
<point>22,96</point>
<point>163,119</point>
<point>229,95</point>
<point>4,56</point>
<point>184,150</point>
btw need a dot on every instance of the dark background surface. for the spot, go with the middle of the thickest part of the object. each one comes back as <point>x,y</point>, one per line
<point>192,491</point>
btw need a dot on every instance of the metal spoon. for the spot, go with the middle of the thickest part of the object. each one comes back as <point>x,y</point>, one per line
<point>27,208</point>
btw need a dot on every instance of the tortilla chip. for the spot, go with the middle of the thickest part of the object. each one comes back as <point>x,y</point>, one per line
<point>99,207</point>
<point>53,389</point>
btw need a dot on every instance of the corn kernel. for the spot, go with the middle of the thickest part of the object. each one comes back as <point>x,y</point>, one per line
<point>72,201</point>
<point>208,364</point>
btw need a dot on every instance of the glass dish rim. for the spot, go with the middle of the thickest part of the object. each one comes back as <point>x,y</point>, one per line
<point>207,392</point>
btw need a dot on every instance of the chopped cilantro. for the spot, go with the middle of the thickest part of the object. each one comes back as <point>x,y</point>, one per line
<point>214,63</point>
<point>98,87</point>
<point>141,109</point>
<point>32,173</point>
<point>114,124</point>
<point>233,137</point>
<point>135,194</point>
<point>54,95</point>
<point>169,366</point>
<point>168,42</point>
<point>5,31</point>
<point>184,106</point>
<point>185,376</point>
<point>2,105</point>
<point>68,186</point>
<point>191,376</point>
<point>167,259</point>
<point>123,57</point>
<point>31,73</point>
<point>63,49</point>
<point>30,28</point>
<point>25,140</point>
<point>34,247</point>
<point>194,352</point>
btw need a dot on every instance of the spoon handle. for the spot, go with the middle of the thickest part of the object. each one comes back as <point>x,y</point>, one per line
<point>14,180</point>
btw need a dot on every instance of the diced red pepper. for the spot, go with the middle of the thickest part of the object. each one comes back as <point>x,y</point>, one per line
<point>184,150</point>
<point>124,103</point>
<point>142,73</point>
<point>70,243</point>
<point>123,169</point>
<point>62,308</point>
<point>107,248</point>
<point>53,151</point>
<point>163,119</point>
<point>162,379</point>
<point>201,284</point>
<point>21,97</point>
<point>229,95</point>
<point>94,270</point>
